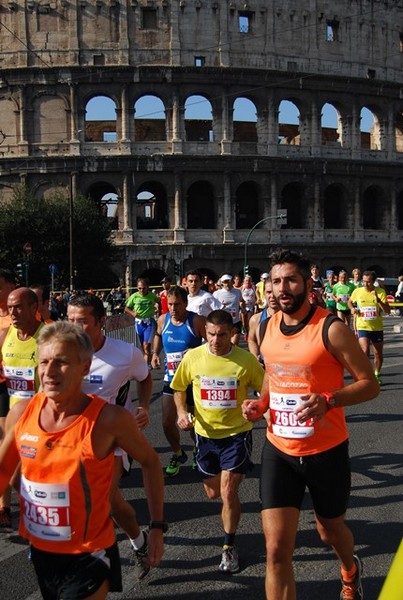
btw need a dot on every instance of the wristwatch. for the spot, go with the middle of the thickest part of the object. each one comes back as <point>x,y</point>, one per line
<point>330,399</point>
<point>159,525</point>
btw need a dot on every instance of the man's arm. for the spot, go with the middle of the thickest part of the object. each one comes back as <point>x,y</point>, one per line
<point>181,409</point>
<point>9,456</point>
<point>157,343</point>
<point>253,343</point>
<point>344,346</point>
<point>253,410</point>
<point>199,326</point>
<point>116,428</point>
<point>382,303</point>
<point>144,391</point>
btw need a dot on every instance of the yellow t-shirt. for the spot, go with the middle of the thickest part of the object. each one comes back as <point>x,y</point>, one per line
<point>220,385</point>
<point>370,315</point>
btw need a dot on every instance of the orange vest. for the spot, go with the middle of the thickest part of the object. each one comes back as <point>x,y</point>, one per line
<point>299,364</point>
<point>64,492</point>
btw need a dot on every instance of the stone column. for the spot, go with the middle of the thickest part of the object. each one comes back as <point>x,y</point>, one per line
<point>23,141</point>
<point>318,232</point>
<point>274,206</point>
<point>228,212</point>
<point>177,114</point>
<point>225,140</point>
<point>179,231</point>
<point>272,125</point>
<point>358,216</point>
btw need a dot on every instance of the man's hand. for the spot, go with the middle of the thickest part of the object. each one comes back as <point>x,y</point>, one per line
<point>315,407</point>
<point>185,420</point>
<point>141,416</point>
<point>252,410</point>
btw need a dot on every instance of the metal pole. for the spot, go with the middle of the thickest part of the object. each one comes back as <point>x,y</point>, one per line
<point>71,269</point>
<point>280,216</point>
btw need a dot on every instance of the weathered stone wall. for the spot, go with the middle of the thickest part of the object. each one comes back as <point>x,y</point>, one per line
<point>213,180</point>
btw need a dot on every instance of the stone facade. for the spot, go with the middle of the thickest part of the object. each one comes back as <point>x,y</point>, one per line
<point>209,181</point>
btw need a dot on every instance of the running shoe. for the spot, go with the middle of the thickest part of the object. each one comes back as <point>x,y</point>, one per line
<point>175,464</point>
<point>229,560</point>
<point>6,524</point>
<point>141,568</point>
<point>352,590</point>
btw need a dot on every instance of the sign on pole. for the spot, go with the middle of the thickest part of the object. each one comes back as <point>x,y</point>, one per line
<point>27,248</point>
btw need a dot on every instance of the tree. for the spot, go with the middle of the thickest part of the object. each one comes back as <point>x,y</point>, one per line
<point>44,223</point>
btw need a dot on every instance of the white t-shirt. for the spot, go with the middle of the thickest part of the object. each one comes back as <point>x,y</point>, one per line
<point>203,303</point>
<point>112,369</point>
<point>230,300</point>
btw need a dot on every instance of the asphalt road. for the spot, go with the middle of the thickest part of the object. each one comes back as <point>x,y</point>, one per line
<point>189,569</point>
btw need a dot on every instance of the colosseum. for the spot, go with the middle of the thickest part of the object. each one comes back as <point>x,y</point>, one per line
<point>211,190</point>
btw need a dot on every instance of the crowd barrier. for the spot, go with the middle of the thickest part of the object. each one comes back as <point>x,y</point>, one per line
<point>121,327</point>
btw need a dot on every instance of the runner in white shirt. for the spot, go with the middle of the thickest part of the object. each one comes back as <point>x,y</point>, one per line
<point>200,302</point>
<point>114,365</point>
<point>231,301</point>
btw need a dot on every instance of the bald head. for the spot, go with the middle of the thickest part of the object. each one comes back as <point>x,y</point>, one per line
<point>22,305</point>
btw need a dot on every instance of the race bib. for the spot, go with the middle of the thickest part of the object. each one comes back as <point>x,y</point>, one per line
<point>218,392</point>
<point>344,298</point>
<point>20,381</point>
<point>173,360</point>
<point>46,510</point>
<point>284,420</point>
<point>368,313</point>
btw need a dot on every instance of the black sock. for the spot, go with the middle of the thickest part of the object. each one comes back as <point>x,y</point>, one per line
<point>229,539</point>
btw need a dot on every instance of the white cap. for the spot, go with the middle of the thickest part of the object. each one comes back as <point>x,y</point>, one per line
<point>226,277</point>
<point>265,275</point>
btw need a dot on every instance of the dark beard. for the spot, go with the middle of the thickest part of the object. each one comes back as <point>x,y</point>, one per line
<point>297,301</point>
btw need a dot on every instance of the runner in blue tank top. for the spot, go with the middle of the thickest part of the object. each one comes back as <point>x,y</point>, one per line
<point>177,331</point>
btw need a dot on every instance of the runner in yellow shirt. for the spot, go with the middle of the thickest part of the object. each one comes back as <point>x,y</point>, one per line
<point>368,303</point>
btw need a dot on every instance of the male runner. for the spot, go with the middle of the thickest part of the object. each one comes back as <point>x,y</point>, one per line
<point>367,303</point>
<point>306,350</point>
<point>142,305</point>
<point>258,322</point>
<point>114,365</point>
<point>18,355</point>
<point>199,301</point>
<point>65,441</point>
<point>177,332</point>
<point>221,374</point>
<point>231,300</point>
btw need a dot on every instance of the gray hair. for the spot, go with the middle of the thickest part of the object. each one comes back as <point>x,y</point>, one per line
<point>64,331</point>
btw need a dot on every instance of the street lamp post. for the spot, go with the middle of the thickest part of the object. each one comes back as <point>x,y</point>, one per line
<point>281,215</point>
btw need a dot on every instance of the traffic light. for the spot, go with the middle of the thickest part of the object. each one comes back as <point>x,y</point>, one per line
<point>19,271</point>
<point>246,270</point>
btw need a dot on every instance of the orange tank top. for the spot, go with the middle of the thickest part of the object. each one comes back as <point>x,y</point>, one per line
<point>300,364</point>
<point>64,493</point>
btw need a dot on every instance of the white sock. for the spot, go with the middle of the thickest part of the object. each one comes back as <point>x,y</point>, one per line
<point>138,542</point>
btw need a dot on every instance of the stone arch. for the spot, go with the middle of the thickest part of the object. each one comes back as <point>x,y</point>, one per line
<point>105,196</point>
<point>149,119</point>
<point>292,199</point>
<point>244,120</point>
<point>247,205</point>
<point>152,206</point>
<point>201,209</point>
<point>373,208</point>
<point>9,120</point>
<point>50,121</point>
<point>334,207</point>
<point>289,123</point>
<point>399,131</point>
<point>198,119</point>
<point>331,125</point>
<point>100,119</point>
<point>370,128</point>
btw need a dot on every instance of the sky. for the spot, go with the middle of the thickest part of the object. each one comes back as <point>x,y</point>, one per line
<point>197,107</point>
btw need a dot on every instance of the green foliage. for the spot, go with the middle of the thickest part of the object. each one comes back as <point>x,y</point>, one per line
<point>45,224</point>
